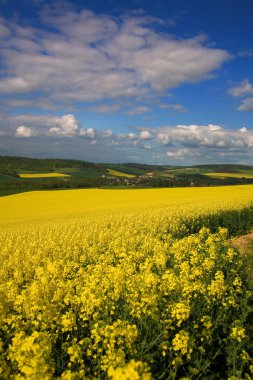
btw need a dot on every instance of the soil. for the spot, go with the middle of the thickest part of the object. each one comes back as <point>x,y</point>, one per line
<point>244,243</point>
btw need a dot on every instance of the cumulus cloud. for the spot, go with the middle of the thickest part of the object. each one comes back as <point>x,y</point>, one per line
<point>67,126</point>
<point>163,138</point>
<point>89,133</point>
<point>246,105</point>
<point>188,144</point>
<point>208,136</point>
<point>199,144</point>
<point>126,136</point>
<point>52,126</point>
<point>145,135</point>
<point>132,136</point>
<point>56,126</point>
<point>23,131</point>
<point>244,88</point>
<point>90,57</point>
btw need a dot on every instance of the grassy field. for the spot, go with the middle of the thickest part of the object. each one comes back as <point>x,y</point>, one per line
<point>125,284</point>
<point>123,168</point>
<point>7,178</point>
<point>82,172</point>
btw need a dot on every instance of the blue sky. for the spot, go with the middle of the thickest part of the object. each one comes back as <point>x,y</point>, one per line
<point>166,82</point>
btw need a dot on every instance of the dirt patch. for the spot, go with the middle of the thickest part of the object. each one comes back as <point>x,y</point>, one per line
<point>244,243</point>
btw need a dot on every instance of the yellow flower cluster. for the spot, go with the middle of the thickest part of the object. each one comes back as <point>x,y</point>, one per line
<point>181,312</point>
<point>181,342</point>
<point>115,284</point>
<point>132,371</point>
<point>238,333</point>
<point>31,355</point>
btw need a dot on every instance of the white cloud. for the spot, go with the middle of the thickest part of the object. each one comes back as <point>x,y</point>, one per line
<point>244,88</point>
<point>89,133</point>
<point>246,105</point>
<point>191,144</point>
<point>56,126</point>
<point>145,135</point>
<point>132,136</point>
<point>31,103</point>
<point>67,126</point>
<point>179,154</point>
<point>107,109</point>
<point>126,136</point>
<point>121,136</point>
<point>106,134</point>
<point>208,136</point>
<point>33,119</point>
<point>17,85</point>
<point>163,138</point>
<point>138,110</point>
<point>23,131</point>
<point>90,57</point>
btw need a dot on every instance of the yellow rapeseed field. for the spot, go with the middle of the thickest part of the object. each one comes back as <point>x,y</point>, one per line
<point>46,205</point>
<point>120,174</point>
<point>125,284</point>
<point>229,175</point>
<point>43,175</point>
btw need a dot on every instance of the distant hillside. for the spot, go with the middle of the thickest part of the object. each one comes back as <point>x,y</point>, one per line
<point>229,168</point>
<point>24,174</point>
<point>13,165</point>
<point>16,164</point>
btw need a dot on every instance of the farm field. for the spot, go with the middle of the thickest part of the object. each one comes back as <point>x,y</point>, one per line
<point>125,284</point>
<point>43,175</point>
<point>245,174</point>
<point>120,174</point>
<point>22,174</point>
<point>48,205</point>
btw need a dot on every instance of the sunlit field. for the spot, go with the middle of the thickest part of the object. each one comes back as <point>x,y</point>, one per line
<point>125,284</point>
<point>43,206</point>
<point>230,175</point>
<point>119,174</point>
<point>42,175</point>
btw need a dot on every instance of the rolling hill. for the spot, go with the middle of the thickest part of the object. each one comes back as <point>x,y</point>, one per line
<point>23,173</point>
